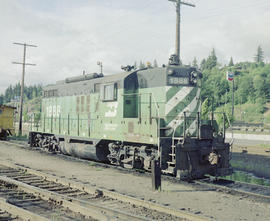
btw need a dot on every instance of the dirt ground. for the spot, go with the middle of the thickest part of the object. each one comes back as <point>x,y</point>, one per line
<point>254,159</point>
<point>263,150</point>
<point>206,203</point>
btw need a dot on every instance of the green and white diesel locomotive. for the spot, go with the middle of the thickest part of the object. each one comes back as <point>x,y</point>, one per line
<point>131,118</point>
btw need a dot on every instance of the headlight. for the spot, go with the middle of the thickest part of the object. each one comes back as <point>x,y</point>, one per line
<point>170,72</point>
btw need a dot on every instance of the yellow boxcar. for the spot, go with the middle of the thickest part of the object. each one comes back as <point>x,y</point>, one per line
<point>6,121</point>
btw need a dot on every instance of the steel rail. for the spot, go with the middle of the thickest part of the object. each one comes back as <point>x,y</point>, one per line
<point>111,194</point>
<point>79,206</point>
<point>232,190</point>
<point>19,212</point>
<point>171,179</point>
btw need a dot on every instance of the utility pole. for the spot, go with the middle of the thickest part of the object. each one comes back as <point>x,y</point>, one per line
<point>178,4</point>
<point>232,98</point>
<point>230,77</point>
<point>22,82</point>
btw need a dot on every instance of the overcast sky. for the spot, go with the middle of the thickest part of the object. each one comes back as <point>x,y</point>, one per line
<point>72,35</point>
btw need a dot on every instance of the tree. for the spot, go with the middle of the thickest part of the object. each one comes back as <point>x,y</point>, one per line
<point>14,92</point>
<point>155,63</point>
<point>261,82</point>
<point>231,62</point>
<point>259,55</point>
<point>203,64</point>
<point>205,109</point>
<point>229,119</point>
<point>246,89</point>
<point>142,65</point>
<point>135,65</point>
<point>195,62</point>
<point>210,62</point>
<point>1,99</point>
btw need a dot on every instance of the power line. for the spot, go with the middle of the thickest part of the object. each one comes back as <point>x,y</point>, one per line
<point>22,83</point>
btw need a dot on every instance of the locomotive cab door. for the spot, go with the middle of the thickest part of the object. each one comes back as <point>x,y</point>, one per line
<point>131,97</point>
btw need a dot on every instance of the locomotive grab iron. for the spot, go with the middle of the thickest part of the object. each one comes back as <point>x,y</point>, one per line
<point>132,118</point>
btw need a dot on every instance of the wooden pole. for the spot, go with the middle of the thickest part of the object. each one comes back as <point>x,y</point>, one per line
<point>156,175</point>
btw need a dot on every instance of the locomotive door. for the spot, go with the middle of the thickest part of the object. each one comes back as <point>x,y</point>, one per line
<point>131,97</point>
<point>130,106</point>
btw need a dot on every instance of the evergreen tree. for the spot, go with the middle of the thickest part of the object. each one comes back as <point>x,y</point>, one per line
<point>14,92</point>
<point>205,109</point>
<point>195,62</point>
<point>155,63</point>
<point>211,61</point>
<point>202,66</point>
<point>135,65</point>
<point>1,99</point>
<point>259,55</point>
<point>231,62</point>
<point>142,65</point>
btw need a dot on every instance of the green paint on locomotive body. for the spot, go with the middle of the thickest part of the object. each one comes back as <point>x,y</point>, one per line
<point>132,106</point>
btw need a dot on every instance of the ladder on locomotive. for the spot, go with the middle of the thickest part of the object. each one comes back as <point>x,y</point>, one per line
<point>172,161</point>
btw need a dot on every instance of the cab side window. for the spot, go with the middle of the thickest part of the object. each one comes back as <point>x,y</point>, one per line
<point>109,92</point>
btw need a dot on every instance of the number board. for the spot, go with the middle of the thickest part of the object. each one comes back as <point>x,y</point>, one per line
<point>178,80</point>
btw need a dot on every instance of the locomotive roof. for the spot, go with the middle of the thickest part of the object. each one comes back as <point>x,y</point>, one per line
<point>86,86</point>
<point>147,77</point>
<point>103,79</point>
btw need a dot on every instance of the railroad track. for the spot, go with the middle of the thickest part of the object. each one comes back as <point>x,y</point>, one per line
<point>246,190</point>
<point>235,187</point>
<point>18,203</point>
<point>54,198</point>
<point>4,215</point>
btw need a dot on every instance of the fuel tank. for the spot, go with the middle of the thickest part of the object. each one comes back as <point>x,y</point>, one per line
<point>85,151</point>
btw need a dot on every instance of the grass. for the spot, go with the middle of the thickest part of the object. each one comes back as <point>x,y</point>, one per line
<point>99,169</point>
<point>256,167</point>
<point>250,113</point>
<point>264,145</point>
<point>248,132</point>
<point>256,145</point>
<point>247,177</point>
<point>92,164</point>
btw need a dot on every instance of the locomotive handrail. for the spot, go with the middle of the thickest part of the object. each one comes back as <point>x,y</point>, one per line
<point>157,113</point>
<point>230,125</point>
<point>232,140</point>
<point>158,126</point>
<point>136,93</point>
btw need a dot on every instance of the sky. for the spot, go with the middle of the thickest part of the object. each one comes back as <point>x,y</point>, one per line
<point>72,35</point>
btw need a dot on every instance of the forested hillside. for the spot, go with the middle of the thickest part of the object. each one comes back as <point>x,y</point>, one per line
<point>12,93</point>
<point>251,88</point>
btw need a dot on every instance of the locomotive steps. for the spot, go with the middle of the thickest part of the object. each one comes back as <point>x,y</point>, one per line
<point>84,199</point>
